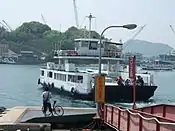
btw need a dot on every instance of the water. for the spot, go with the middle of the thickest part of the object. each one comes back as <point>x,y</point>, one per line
<point>19,88</point>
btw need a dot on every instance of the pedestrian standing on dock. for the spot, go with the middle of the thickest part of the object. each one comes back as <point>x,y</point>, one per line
<point>47,100</point>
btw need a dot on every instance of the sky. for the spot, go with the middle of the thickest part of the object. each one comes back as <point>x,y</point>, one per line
<point>59,15</point>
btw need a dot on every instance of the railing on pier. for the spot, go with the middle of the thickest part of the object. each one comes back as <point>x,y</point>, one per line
<point>124,119</point>
<point>163,110</point>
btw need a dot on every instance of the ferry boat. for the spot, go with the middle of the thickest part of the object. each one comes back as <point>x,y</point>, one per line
<point>168,58</point>
<point>65,77</point>
<point>158,65</point>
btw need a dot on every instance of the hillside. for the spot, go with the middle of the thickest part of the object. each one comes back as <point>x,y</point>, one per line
<point>40,38</point>
<point>146,48</point>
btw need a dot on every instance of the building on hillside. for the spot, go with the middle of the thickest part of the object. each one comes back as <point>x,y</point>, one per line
<point>3,49</point>
<point>12,54</point>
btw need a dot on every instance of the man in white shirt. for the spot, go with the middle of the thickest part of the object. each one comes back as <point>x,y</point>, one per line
<point>47,100</point>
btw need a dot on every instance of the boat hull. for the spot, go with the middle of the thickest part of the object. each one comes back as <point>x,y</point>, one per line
<point>112,93</point>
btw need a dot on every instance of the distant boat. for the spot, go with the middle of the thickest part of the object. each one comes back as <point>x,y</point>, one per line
<point>167,58</point>
<point>156,65</point>
<point>7,60</point>
<point>27,58</point>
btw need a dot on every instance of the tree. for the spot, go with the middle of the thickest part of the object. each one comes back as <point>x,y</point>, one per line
<point>40,39</point>
<point>35,28</point>
<point>53,36</point>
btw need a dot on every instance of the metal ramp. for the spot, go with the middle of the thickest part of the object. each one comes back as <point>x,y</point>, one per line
<point>154,118</point>
<point>35,114</point>
<point>32,118</point>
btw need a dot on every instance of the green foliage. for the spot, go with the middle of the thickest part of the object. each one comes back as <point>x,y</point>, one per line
<point>35,28</point>
<point>40,38</point>
<point>53,36</point>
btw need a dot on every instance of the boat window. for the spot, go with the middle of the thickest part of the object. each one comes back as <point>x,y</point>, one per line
<point>85,44</point>
<point>49,74</point>
<point>109,80</point>
<point>75,79</point>
<point>69,77</point>
<point>55,76</point>
<point>42,73</point>
<point>61,77</point>
<point>93,46</point>
<point>80,79</point>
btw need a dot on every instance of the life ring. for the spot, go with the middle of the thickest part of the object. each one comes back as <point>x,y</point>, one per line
<point>52,85</point>
<point>72,91</point>
<point>62,88</point>
<point>39,82</point>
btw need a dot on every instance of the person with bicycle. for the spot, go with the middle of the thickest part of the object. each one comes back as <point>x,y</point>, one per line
<point>47,101</point>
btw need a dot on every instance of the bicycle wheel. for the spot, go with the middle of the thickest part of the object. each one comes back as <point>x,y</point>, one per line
<point>59,111</point>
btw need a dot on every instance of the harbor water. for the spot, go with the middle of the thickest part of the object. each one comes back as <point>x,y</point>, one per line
<point>19,88</point>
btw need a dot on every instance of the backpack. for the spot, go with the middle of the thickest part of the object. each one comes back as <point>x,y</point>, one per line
<point>47,98</point>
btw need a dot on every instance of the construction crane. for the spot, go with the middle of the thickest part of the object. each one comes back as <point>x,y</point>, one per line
<point>7,25</point>
<point>43,19</point>
<point>4,26</point>
<point>76,13</point>
<point>172,29</point>
<point>142,27</point>
<point>135,35</point>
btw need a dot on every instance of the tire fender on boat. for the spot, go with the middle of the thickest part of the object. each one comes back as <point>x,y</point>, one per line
<point>52,85</point>
<point>62,88</point>
<point>39,82</point>
<point>72,91</point>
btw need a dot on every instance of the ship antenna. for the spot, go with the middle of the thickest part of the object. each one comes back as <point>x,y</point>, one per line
<point>90,21</point>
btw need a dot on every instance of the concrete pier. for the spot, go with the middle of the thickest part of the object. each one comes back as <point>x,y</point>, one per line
<point>32,119</point>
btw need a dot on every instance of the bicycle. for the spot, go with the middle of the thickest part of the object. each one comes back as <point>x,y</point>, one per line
<point>56,109</point>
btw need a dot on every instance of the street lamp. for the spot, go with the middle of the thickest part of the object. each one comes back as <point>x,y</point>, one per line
<point>128,26</point>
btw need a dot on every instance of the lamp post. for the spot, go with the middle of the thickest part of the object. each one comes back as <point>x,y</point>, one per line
<point>128,26</point>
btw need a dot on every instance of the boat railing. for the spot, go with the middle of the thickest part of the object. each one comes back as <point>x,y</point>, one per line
<point>147,77</point>
<point>108,53</point>
<point>112,53</point>
<point>53,67</point>
<point>133,120</point>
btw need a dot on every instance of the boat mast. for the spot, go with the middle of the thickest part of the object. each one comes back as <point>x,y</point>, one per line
<point>90,17</point>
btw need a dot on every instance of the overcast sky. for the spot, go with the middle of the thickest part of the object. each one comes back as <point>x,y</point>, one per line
<point>156,14</point>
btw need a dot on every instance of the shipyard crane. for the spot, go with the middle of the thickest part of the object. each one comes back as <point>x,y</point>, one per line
<point>43,19</point>
<point>142,27</point>
<point>135,35</point>
<point>76,13</point>
<point>172,29</point>
<point>7,25</point>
